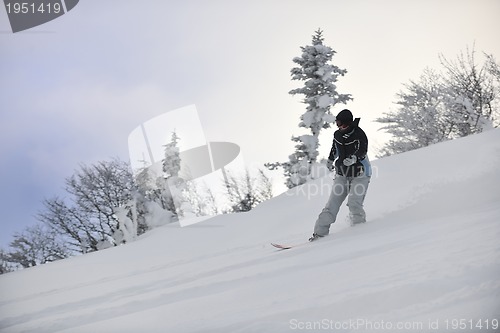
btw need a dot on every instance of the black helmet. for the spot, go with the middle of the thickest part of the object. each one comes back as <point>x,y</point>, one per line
<point>345,117</point>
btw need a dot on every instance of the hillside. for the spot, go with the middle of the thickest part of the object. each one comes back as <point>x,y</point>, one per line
<point>427,260</point>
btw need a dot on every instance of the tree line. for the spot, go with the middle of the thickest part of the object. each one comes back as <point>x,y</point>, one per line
<point>459,99</point>
<point>107,204</point>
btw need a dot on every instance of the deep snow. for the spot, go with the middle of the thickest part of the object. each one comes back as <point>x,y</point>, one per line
<point>428,260</point>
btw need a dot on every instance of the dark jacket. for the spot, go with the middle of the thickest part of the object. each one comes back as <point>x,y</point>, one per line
<point>348,142</point>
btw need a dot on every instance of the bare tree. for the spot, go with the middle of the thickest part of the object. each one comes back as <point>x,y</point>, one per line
<point>493,67</point>
<point>5,266</point>
<point>246,192</point>
<point>462,100</point>
<point>89,218</point>
<point>201,198</point>
<point>420,119</point>
<point>36,245</point>
<point>470,93</point>
<point>81,234</point>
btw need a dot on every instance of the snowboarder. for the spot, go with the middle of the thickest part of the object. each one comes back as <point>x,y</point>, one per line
<point>353,172</point>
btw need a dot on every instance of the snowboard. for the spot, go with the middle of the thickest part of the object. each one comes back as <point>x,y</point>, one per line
<point>290,246</point>
<point>287,246</point>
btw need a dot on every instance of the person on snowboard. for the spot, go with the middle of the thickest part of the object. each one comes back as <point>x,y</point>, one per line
<point>353,172</point>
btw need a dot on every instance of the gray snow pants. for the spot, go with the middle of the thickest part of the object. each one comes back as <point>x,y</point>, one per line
<point>352,187</point>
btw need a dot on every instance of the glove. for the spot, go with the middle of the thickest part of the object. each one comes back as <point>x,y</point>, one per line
<point>350,160</point>
<point>329,165</point>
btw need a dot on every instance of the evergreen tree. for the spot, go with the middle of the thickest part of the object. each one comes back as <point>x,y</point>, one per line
<point>172,161</point>
<point>172,186</point>
<point>153,181</point>
<point>320,94</point>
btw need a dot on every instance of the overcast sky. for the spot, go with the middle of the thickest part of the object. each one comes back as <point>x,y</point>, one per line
<point>73,89</point>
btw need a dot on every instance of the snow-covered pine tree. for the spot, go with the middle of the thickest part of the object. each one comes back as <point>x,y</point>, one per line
<point>174,187</point>
<point>172,161</point>
<point>170,171</point>
<point>152,203</point>
<point>320,94</point>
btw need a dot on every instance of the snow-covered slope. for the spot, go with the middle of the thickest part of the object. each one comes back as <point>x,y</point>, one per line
<point>428,259</point>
